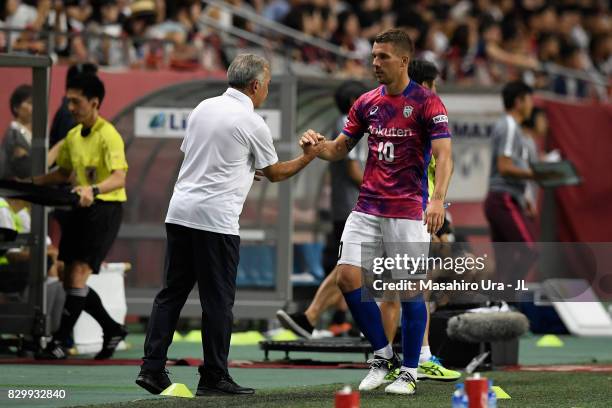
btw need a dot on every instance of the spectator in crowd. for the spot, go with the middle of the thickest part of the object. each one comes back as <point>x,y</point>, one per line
<point>182,29</point>
<point>17,141</point>
<point>22,16</point>
<point>482,42</point>
<point>276,10</point>
<point>505,51</point>
<point>143,15</point>
<point>374,17</point>
<point>15,159</point>
<point>542,20</point>
<point>107,21</point>
<point>570,26</point>
<point>348,35</point>
<point>573,58</point>
<point>601,53</point>
<point>462,53</point>
<point>548,47</point>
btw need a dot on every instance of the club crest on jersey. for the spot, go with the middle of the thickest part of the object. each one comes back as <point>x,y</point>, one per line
<point>408,110</point>
<point>373,110</point>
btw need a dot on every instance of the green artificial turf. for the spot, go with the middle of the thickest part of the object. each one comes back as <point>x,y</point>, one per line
<point>526,390</point>
<point>300,387</point>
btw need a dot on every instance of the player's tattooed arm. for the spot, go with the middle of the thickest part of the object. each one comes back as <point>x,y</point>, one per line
<point>333,150</point>
<point>350,143</point>
<point>339,148</point>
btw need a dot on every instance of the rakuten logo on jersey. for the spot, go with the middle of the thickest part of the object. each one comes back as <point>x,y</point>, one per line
<point>440,119</point>
<point>389,132</point>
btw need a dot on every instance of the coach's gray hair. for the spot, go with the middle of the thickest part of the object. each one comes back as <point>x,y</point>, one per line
<point>244,69</point>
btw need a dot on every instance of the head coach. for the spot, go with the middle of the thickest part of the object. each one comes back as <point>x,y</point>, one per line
<point>225,142</point>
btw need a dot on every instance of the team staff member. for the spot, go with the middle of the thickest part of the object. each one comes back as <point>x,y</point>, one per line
<point>224,143</point>
<point>94,152</point>
<point>505,206</point>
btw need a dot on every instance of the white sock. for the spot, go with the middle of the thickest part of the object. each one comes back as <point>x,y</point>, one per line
<point>412,371</point>
<point>425,354</point>
<point>385,352</point>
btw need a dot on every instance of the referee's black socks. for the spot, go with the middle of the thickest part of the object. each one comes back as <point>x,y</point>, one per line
<point>73,306</point>
<point>93,306</point>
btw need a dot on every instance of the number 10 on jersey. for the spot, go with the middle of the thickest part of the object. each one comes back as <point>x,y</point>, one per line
<point>385,151</point>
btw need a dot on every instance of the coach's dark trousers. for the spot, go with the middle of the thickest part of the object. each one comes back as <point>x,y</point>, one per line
<point>211,260</point>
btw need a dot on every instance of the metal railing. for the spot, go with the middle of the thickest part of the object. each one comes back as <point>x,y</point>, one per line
<point>284,31</point>
<point>232,36</point>
<point>601,84</point>
<point>49,37</point>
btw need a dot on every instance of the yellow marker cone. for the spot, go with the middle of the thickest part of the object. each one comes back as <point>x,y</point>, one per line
<point>177,390</point>
<point>246,338</point>
<point>285,335</point>
<point>550,340</point>
<point>194,336</point>
<point>177,336</point>
<point>499,393</point>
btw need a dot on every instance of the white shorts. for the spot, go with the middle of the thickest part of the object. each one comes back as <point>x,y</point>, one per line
<point>381,236</point>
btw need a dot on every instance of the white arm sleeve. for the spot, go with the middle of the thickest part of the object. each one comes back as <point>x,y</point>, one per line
<point>262,147</point>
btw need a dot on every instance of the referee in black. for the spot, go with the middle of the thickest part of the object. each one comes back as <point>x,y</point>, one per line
<point>225,142</point>
<point>93,152</point>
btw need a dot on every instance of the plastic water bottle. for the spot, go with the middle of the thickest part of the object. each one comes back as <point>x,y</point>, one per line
<point>491,397</point>
<point>459,398</point>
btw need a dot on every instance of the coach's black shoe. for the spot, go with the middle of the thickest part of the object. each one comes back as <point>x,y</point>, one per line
<point>110,343</point>
<point>296,322</point>
<point>223,386</point>
<point>53,351</point>
<point>153,381</point>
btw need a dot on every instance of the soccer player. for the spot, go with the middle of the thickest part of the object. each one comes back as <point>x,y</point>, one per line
<point>425,73</point>
<point>406,124</point>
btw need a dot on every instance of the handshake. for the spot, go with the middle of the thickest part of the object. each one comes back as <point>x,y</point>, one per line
<point>312,143</point>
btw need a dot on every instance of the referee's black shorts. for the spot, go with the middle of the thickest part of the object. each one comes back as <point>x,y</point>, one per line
<point>89,232</point>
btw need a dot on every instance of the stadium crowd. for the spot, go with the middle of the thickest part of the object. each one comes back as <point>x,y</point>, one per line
<point>472,42</point>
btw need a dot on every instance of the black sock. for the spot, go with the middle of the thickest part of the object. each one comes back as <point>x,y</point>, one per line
<point>93,306</point>
<point>73,306</point>
<point>339,317</point>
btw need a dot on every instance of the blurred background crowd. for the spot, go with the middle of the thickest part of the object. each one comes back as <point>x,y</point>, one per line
<point>561,46</point>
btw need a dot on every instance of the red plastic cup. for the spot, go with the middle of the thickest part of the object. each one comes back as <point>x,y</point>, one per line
<point>347,398</point>
<point>477,390</point>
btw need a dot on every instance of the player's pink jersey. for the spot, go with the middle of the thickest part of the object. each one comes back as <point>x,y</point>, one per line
<point>401,128</point>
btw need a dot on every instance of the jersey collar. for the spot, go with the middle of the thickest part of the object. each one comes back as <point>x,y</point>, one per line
<point>383,89</point>
<point>97,125</point>
<point>511,119</point>
<point>242,98</point>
